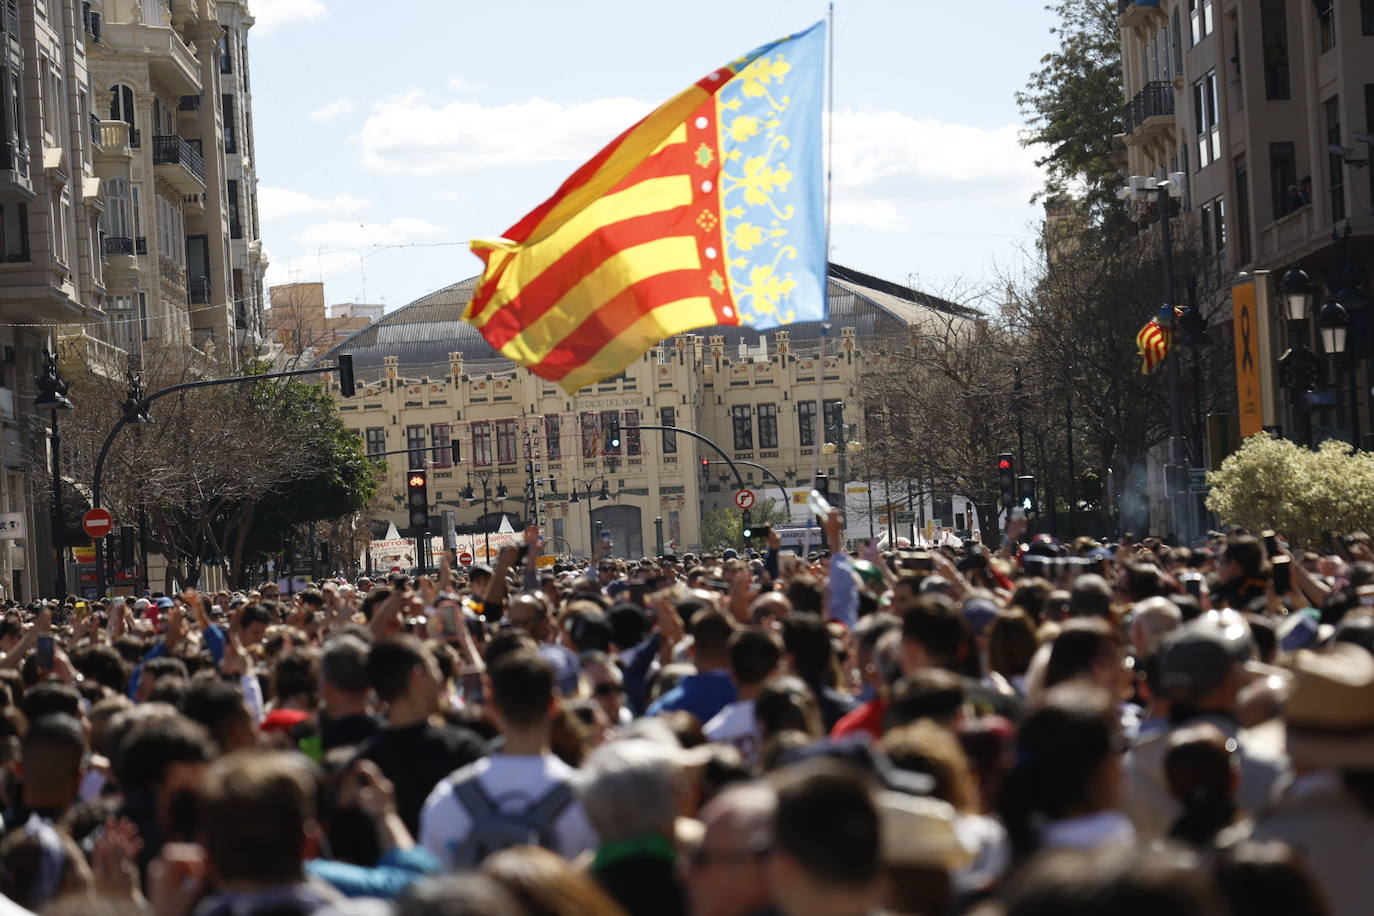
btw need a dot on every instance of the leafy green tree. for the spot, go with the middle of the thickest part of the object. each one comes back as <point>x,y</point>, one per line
<point>723,527</point>
<point>1303,494</point>
<point>1072,106</point>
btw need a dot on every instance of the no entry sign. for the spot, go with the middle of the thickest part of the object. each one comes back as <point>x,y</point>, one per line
<point>97,523</point>
<point>465,559</point>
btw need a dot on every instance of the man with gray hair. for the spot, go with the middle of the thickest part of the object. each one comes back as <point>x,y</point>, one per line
<point>1152,620</point>
<point>726,875</point>
<point>631,790</point>
<point>344,687</point>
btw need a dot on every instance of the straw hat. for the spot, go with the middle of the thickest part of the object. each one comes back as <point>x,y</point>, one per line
<point>1330,712</point>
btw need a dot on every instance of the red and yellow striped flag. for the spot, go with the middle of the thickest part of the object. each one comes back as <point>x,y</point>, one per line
<point>708,211</point>
<point>1153,344</point>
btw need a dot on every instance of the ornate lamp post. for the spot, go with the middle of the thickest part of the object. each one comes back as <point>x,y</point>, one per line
<point>52,395</point>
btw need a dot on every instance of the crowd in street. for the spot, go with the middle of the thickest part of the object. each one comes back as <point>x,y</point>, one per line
<point>1045,728</point>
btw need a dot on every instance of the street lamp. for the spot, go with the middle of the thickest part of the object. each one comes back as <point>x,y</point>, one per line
<point>484,477</point>
<point>586,488</point>
<point>1297,289</point>
<point>52,395</point>
<point>1334,321</point>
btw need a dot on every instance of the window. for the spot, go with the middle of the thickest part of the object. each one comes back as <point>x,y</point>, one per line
<point>630,419</point>
<point>1335,165</point>
<point>59,226</point>
<point>553,442</point>
<point>115,220</point>
<point>145,321</point>
<point>834,416</point>
<point>1200,17</point>
<point>441,442</point>
<point>1206,119</point>
<point>14,229</point>
<point>1213,226</point>
<point>806,422</point>
<point>1367,17</point>
<point>415,446</point>
<point>591,436</point>
<point>376,440</point>
<point>136,212</point>
<point>481,443</point>
<point>235,225</point>
<point>667,416</point>
<point>226,54</point>
<point>505,442</point>
<point>1242,212</point>
<point>768,426</point>
<point>610,432</point>
<point>743,423</point>
<point>1326,24</point>
<point>1283,179</point>
<point>1274,33</point>
<point>231,143</point>
<point>1176,43</point>
<point>1369,124</point>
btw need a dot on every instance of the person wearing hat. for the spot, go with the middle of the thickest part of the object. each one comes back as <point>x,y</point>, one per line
<point>1199,673</point>
<point>1327,810</point>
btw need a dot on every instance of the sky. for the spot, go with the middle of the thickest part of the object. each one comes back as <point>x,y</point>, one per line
<point>384,143</point>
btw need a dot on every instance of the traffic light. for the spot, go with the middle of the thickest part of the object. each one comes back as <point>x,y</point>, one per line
<point>346,385</point>
<point>126,547</point>
<point>417,499</point>
<point>747,527</point>
<point>823,486</point>
<point>1025,491</point>
<point>1006,479</point>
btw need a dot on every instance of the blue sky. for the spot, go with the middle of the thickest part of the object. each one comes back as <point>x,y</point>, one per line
<point>385,141</point>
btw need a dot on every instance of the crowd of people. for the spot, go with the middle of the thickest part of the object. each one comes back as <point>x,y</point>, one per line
<point>1045,728</point>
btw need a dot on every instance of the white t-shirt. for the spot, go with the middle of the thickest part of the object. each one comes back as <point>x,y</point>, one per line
<point>735,725</point>
<point>513,783</point>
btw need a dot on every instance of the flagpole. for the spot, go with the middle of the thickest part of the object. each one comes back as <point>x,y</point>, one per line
<point>825,280</point>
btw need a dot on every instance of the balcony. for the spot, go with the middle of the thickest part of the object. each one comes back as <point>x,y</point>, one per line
<point>171,60</point>
<point>14,168</point>
<point>115,245</point>
<point>1138,12</point>
<point>1150,112</point>
<point>91,21</point>
<point>179,163</point>
<point>198,291</point>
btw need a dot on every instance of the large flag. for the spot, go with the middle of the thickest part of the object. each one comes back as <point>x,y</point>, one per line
<point>708,211</point>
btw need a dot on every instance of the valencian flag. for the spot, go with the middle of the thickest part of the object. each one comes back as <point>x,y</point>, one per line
<point>708,211</point>
<point>1153,340</point>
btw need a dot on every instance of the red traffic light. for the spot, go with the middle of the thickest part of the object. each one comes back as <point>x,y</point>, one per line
<point>706,462</point>
<point>1004,465</point>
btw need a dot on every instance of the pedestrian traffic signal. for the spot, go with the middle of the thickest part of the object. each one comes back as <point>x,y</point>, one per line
<point>1025,491</point>
<point>346,385</point>
<point>417,499</point>
<point>1006,479</point>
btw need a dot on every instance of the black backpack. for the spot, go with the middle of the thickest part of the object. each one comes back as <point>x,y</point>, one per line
<point>494,828</point>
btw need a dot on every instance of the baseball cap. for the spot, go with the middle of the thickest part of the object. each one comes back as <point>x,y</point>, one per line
<point>165,602</point>
<point>141,604</point>
<point>1196,659</point>
<point>729,554</point>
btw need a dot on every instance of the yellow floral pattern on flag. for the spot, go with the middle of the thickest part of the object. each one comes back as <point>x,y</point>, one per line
<point>758,190</point>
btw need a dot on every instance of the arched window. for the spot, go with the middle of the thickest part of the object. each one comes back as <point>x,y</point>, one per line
<point>122,105</point>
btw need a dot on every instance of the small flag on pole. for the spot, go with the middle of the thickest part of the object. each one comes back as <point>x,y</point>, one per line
<point>708,211</point>
<point>1154,340</point>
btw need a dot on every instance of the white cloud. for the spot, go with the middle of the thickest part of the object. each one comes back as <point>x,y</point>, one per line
<point>463,84</point>
<point>273,14</point>
<point>881,215</point>
<point>871,147</point>
<point>283,203</point>
<point>344,234</point>
<point>411,136</point>
<point>334,109</point>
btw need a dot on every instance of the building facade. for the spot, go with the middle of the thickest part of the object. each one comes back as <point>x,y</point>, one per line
<point>300,324</point>
<point>127,215</point>
<point>498,440</point>
<point>1268,107</point>
<point>185,262</point>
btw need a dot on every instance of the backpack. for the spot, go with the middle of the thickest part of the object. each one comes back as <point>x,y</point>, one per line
<point>494,828</point>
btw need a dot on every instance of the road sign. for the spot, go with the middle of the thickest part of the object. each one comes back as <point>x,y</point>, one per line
<point>744,499</point>
<point>1197,480</point>
<point>97,523</point>
<point>465,559</point>
<point>906,518</point>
